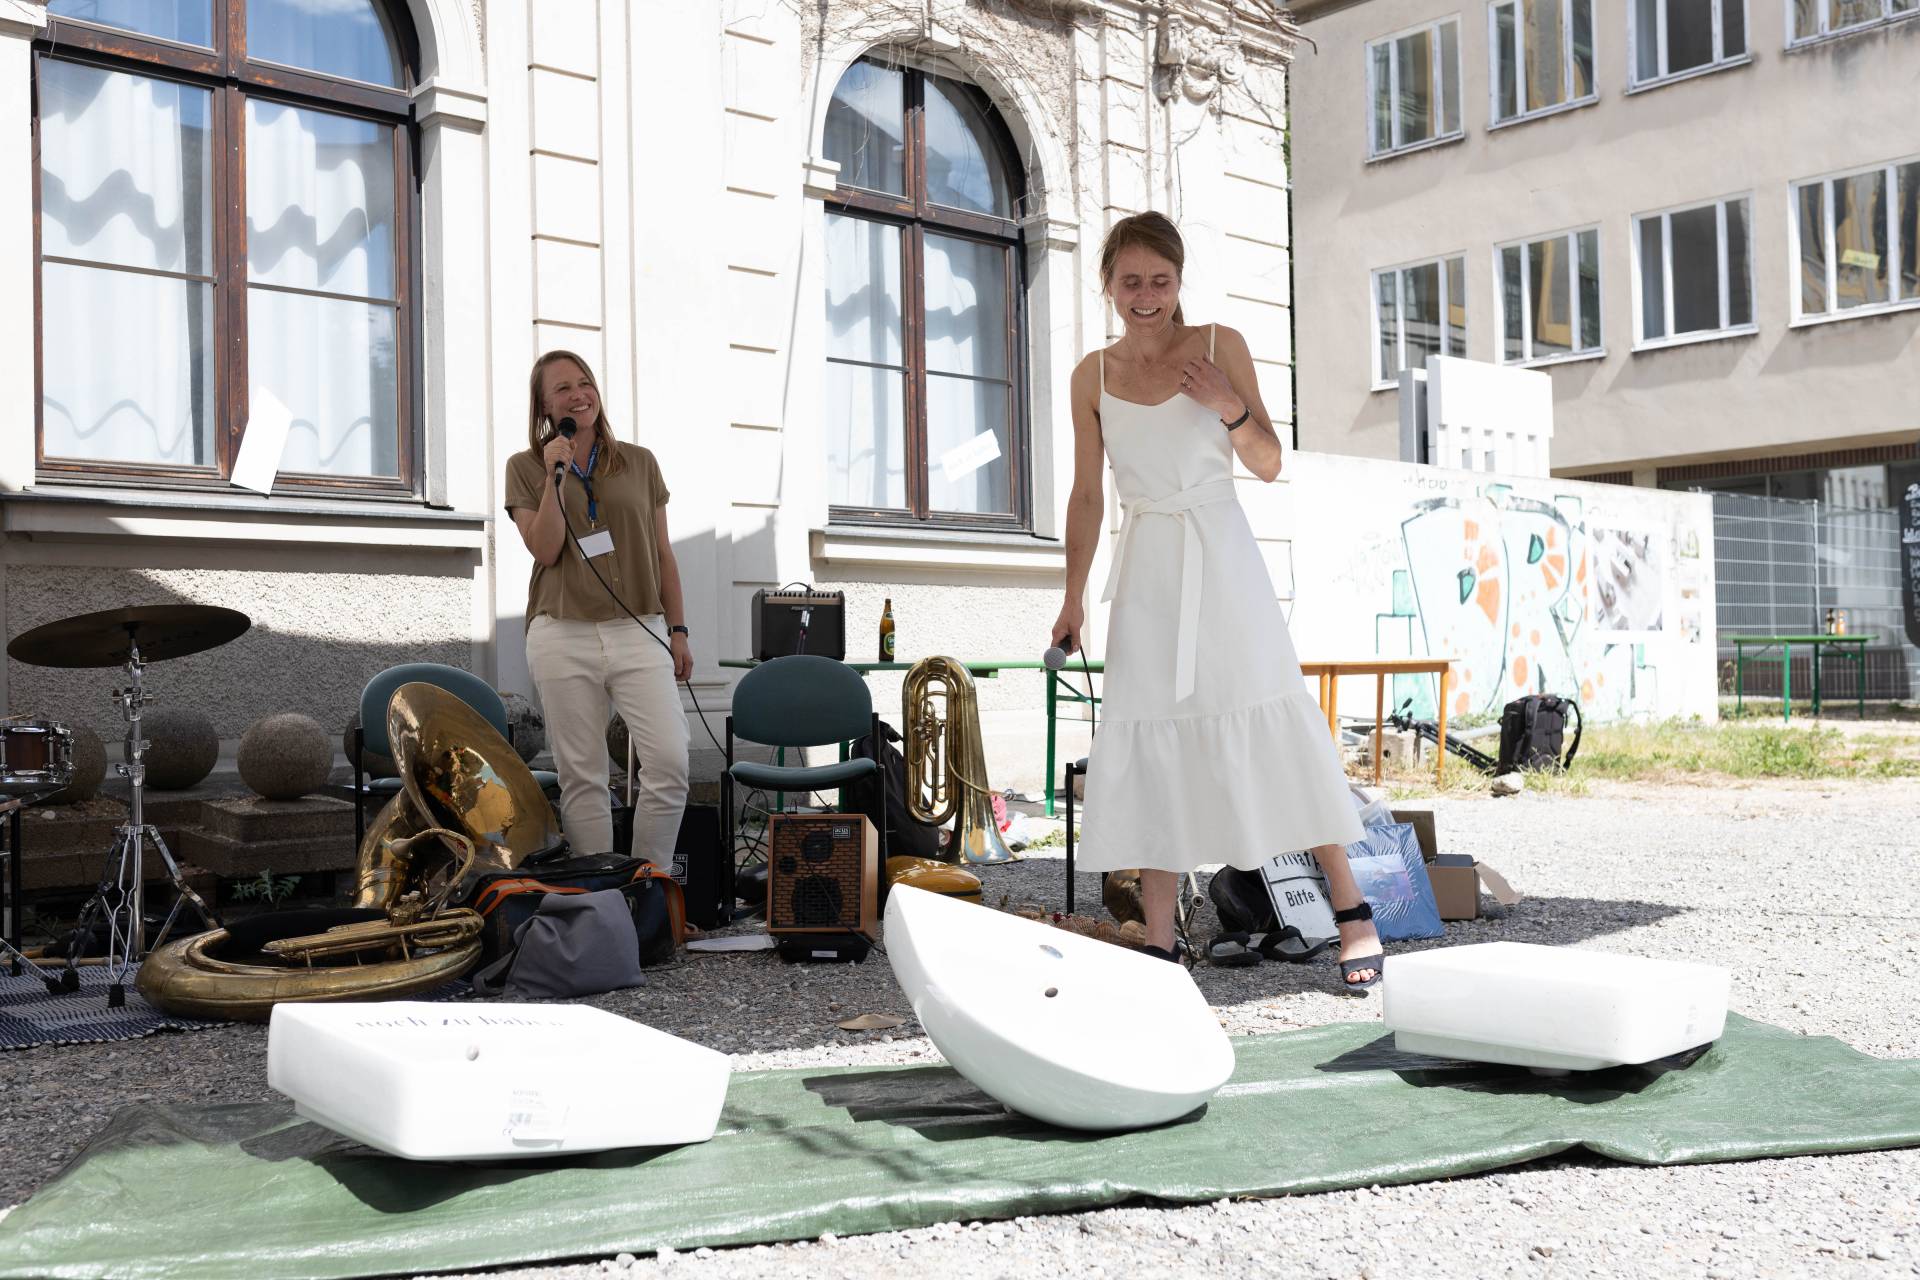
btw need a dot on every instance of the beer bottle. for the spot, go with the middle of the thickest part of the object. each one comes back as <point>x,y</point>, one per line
<point>1830,630</point>
<point>886,632</point>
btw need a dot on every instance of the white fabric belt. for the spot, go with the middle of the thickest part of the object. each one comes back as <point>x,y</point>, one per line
<point>1176,505</point>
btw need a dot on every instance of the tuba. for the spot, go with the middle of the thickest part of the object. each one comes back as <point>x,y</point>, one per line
<point>467,804</point>
<point>946,760</point>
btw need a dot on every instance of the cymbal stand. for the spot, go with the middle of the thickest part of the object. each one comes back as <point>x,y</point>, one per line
<point>122,892</point>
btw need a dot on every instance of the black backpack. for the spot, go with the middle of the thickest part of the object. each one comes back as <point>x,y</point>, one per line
<point>906,838</point>
<point>1531,731</point>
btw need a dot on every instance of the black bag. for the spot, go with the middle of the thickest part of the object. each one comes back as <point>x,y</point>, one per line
<point>905,837</point>
<point>508,899</point>
<point>1532,729</point>
<point>1242,901</point>
<point>700,862</point>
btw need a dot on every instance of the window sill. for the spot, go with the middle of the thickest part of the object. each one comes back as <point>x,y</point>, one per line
<point>1693,339</point>
<point>1416,148</point>
<point>1856,313</point>
<point>1548,362</point>
<point>104,512</point>
<point>1814,42</point>
<point>855,546</point>
<point>1543,113</point>
<point>1691,73</point>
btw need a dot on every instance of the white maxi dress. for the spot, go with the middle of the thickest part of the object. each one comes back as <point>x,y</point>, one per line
<point>1209,748</point>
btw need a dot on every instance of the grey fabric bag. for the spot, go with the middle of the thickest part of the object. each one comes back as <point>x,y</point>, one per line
<point>575,944</point>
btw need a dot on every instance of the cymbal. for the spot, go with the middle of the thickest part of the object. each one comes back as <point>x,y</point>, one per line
<point>104,639</point>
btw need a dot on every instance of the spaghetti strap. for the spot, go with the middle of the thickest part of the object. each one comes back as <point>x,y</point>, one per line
<point>1211,330</point>
<point>1103,370</point>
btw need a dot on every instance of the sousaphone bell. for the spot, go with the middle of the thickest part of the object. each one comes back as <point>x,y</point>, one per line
<point>468,805</point>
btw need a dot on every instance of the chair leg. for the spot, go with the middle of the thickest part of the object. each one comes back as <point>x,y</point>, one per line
<point>359,794</point>
<point>879,757</point>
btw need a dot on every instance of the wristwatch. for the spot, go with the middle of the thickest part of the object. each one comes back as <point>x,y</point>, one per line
<point>680,631</point>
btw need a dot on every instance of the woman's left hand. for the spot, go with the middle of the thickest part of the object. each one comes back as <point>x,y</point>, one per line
<point>1202,380</point>
<point>682,657</point>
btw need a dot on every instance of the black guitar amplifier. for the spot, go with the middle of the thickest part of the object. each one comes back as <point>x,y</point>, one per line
<point>700,862</point>
<point>799,619</point>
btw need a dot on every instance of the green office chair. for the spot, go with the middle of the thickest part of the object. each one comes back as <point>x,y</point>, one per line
<point>372,733</point>
<point>802,700</point>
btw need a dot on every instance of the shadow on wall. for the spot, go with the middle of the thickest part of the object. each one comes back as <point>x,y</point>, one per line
<point>1860,342</point>
<point>317,637</point>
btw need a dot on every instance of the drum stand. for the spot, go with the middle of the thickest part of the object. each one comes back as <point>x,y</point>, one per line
<point>121,896</point>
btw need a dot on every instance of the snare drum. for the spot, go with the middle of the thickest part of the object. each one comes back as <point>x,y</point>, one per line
<point>36,756</point>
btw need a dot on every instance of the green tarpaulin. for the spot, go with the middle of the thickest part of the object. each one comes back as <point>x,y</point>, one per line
<point>253,1191</point>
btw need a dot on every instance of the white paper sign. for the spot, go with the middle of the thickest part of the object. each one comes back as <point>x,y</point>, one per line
<point>263,443</point>
<point>963,460</point>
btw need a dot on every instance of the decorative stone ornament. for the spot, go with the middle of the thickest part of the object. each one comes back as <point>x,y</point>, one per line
<point>182,748</point>
<point>526,727</point>
<point>285,756</point>
<point>1194,63</point>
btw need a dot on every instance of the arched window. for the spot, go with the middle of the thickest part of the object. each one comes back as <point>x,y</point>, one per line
<point>925,413</point>
<point>225,240</point>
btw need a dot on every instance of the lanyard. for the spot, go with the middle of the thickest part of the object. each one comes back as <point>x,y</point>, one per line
<point>586,481</point>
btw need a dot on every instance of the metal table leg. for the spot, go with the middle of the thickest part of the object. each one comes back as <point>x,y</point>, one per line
<point>1786,684</point>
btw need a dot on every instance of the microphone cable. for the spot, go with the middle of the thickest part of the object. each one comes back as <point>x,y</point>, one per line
<point>573,538</point>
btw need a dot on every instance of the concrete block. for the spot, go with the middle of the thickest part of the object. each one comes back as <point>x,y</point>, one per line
<point>756,156</point>
<point>752,389</point>
<point>566,283</point>
<point>758,309</point>
<point>250,818</point>
<point>566,198</point>
<point>565,34</point>
<point>565,114</point>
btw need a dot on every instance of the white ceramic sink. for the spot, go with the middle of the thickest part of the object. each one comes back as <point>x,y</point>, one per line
<point>1551,1008</point>
<point>1078,1033</point>
<point>455,1081</point>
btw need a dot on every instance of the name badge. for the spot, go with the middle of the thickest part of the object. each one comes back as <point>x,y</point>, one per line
<point>596,544</point>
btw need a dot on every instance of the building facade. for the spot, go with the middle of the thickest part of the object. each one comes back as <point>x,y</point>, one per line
<point>832,264</point>
<point>1698,215</point>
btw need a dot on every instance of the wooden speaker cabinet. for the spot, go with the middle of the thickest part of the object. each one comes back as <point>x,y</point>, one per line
<point>823,874</point>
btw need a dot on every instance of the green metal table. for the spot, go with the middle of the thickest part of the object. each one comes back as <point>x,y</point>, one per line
<point>1849,648</point>
<point>1059,689</point>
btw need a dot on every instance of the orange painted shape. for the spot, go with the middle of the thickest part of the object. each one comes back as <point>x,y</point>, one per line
<point>1487,596</point>
<point>1488,559</point>
<point>1516,631</point>
<point>1460,704</point>
<point>1586,690</point>
<point>1535,639</point>
<point>1470,529</point>
<point>1520,672</point>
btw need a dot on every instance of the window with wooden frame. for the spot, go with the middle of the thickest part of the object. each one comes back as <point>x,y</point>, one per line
<point>225,241</point>
<point>925,409</point>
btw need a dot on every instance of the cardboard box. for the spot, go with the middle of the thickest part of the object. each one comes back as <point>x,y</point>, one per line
<point>1421,820</point>
<point>1457,879</point>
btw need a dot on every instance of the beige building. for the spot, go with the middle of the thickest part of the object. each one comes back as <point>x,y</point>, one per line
<point>833,264</point>
<point>1699,216</point>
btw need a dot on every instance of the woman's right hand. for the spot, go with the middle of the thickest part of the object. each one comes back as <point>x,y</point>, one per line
<point>1066,627</point>
<point>558,453</point>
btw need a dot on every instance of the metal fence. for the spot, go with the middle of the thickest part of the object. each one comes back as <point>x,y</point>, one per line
<point>1781,563</point>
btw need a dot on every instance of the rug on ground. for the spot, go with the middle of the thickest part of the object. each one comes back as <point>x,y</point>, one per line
<point>252,1190</point>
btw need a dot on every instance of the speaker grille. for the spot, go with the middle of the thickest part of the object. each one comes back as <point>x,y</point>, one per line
<point>822,870</point>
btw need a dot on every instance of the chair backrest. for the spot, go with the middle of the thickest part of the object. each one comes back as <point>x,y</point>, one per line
<point>802,700</point>
<point>464,685</point>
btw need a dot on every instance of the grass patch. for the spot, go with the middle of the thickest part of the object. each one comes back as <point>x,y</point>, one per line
<point>1688,751</point>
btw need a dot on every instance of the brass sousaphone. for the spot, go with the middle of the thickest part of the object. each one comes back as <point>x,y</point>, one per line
<point>468,805</point>
<point>947,761</point>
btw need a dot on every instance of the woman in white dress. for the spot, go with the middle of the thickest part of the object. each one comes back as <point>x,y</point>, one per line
<point>1209,748</point>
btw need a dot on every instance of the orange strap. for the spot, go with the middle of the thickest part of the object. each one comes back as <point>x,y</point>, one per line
<point>500,890</point>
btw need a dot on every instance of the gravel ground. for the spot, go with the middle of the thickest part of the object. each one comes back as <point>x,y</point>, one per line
<point>1808,891</point>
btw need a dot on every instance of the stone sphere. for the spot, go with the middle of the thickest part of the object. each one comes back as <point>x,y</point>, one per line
<point>285,756</point>
<point>89,768</point>
<point>526,727</point>
<point>375,764</point>
<point>183,747</point>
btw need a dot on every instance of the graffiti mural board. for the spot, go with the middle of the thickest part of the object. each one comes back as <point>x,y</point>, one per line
<point>1603,593</point>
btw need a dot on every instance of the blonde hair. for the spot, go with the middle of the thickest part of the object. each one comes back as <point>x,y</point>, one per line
<point>1151,231</point>
<point>537,424</point>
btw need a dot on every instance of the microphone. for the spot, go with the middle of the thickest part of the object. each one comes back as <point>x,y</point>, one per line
<point>566,427</point>
<point>1055,658</point>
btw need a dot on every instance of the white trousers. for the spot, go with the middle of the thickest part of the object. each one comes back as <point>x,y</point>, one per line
<point>579,667</point>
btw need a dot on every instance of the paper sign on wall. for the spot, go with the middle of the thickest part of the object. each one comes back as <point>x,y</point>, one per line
<point>963,460</point>
<point>263,443</point>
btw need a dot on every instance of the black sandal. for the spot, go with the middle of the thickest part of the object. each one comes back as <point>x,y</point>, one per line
<point>1376,962</point>
<point>1177,953</point>
<point>1287,943</point>
<point>1231,951</point>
